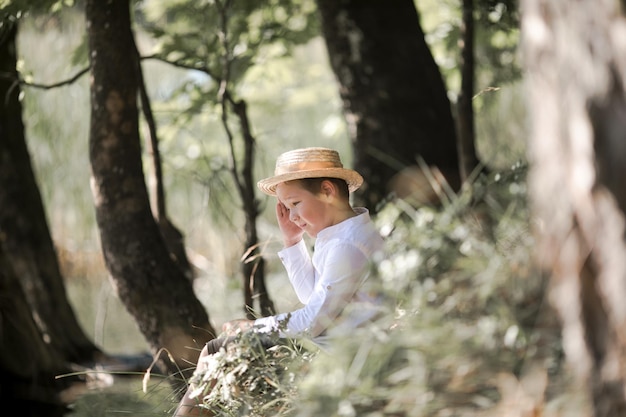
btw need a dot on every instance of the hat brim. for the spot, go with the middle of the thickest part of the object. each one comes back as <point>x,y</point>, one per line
<point>351,177</point>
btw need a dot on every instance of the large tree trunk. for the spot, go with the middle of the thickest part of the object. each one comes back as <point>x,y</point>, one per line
<point>394,97</point>
<point>148,281</point>
<point>28,365</point>
<point>23,224</point>
<point>39,333</point>
<point>574,56</point>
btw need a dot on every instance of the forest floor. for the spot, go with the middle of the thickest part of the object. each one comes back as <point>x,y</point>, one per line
<point>120,385</point>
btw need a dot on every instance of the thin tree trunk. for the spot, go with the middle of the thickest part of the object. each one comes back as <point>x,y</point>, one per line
<point>172,236</point>
<point>253,266</point>
<point>254,263</point>
<point>465,115</point>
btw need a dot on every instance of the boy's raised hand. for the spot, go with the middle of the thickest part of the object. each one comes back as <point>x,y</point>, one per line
<point>292,234</point>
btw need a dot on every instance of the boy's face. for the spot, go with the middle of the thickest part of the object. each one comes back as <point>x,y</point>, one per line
<point>310,212</point>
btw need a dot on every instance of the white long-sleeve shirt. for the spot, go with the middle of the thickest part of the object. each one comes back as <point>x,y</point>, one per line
<point>329,280</point>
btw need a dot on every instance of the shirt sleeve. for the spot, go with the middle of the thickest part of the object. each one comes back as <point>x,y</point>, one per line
<point>345,267</point>
<point>300,270</point>
<point>345,270</point>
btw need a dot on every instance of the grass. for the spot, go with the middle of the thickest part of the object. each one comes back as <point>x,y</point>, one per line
<point>125,396</point>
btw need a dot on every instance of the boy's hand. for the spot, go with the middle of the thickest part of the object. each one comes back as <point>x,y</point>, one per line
<point>292,234</point>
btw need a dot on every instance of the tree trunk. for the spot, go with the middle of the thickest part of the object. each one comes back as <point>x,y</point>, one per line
<point>148,281</point>
<point>253,267</point>
<point>394,98</point>
<point>468,160</point>
<point>23,224</point>
<point>28,365</point>
<point>39,334</point>
<point>173,237</point>
<point>574,61</point>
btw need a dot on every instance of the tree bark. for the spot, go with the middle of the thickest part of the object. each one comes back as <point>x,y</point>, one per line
<point>172,236</point>
<point>253,267</point>
<point>148,281</point>
<point>23,223</point>
<point>394,98</point>
<point>39,333</point>
<point>576,71</point>
<point>468,159</point>
<point>28,365</point>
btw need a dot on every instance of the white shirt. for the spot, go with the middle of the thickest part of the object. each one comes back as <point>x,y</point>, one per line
<point>330,280</point>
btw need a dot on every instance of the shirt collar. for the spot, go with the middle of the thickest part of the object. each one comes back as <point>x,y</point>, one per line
<point>346,225</point>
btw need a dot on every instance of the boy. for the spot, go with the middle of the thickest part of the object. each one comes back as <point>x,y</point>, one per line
<point>313,190</point>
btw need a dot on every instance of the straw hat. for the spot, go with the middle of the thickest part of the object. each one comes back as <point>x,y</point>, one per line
<point>309,163</point>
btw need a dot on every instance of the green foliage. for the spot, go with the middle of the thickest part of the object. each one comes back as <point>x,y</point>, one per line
<point>223,41</point>
<point>497,39</point>
<point>500,115</point>
<point>496,27</point>
<point>225,38</point>
<point>11,10</point>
